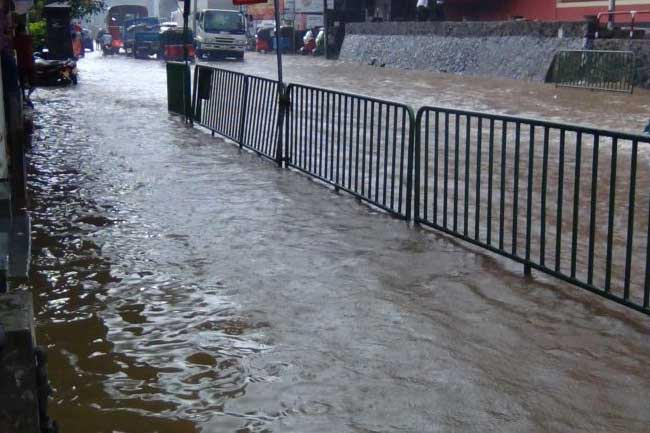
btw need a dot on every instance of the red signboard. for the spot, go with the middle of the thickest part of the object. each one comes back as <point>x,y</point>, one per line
<point>247,2</point>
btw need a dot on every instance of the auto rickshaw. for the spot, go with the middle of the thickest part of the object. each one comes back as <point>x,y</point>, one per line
<point>171,44</point>
<point>263,40</point>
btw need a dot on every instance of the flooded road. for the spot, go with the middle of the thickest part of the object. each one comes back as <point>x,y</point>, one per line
<point>184,286</point>
<point>629,113</point>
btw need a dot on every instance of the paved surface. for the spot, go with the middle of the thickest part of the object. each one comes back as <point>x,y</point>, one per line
<point>185,286</point>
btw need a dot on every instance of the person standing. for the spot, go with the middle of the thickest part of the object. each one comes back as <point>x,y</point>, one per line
<point>423,10</point>
<point>440,10</point>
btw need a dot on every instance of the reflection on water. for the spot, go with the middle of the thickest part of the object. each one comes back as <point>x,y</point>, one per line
<point>183,286</point>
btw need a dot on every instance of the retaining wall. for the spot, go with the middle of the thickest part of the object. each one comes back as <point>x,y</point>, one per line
<point>513,49</point>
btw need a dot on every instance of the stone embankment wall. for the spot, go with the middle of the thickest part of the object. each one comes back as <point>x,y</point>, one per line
<point>515,49</point>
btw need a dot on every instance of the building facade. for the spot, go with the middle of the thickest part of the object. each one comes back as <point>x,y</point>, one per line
<point>542,10</point>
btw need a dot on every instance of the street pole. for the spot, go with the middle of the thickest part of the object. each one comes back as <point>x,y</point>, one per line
<point>277,41</point>
<point>186,68</point>
<point>283,98</point>
<point>327,30</point>
<point>611,9</point>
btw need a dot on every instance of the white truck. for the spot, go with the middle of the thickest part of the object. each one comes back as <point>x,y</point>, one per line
<point>219,28</point>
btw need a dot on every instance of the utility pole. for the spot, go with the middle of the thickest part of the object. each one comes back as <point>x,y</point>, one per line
<point>611,10</point>
<point>283,98</point>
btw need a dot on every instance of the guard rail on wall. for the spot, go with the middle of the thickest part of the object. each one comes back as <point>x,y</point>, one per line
<point>596,69</point>
<point>562,199</point>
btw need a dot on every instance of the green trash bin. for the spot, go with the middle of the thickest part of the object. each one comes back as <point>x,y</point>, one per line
<point>179,97</point>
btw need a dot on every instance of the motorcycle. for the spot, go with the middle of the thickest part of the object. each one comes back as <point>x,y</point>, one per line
<point>54,72</point>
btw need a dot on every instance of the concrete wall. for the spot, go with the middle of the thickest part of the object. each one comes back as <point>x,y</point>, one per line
<point>518,50</point>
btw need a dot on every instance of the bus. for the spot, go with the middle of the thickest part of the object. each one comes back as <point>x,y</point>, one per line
<point>115,18</point>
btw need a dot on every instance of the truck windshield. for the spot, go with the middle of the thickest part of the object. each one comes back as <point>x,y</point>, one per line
<point>223,21</point>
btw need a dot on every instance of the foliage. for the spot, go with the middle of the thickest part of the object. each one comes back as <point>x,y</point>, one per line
<point>38,30</point>
<point>79,8</point>
<point>82,8</point>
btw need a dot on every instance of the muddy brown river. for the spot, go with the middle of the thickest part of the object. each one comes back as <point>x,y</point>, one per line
<point>183,286</point>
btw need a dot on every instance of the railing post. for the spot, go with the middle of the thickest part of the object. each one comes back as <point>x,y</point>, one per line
<point>244,112</point>
<point>412,164</point>
<point>284,104</point>
<point>195,93</point>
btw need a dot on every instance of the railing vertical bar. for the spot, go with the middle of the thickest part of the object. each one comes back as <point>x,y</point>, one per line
<point>344,143</point>
<point>363,153</point>
<point>322,133</point>
<point>490,175</point>
<point>351,142</point>
<point>542,225</point>
<point>502,187</point>
<point>630,220</point>
<point>425,193</point>
<point>446,177</point>
<point>338,140</point>
<point>468,135</point>
<point>592,213</point>
<point>243,112</point>
<point>529,193</point>
<point>401,162</point>
<point>436,157</point>
<point>313,130</point>
<point>262,132</point>
<point>560,200</point>
<point>456,165</point>
<point>610,222</point>
<point>386,152</point>
<point>356,148</point>
<point>379,132</point>
<point>255,138</point>
<point>477,213</point>
<point>646,285</point>
<point>214,99</point>
<point>393,162</point>
<point>371,147</point>
<point>515,193</point>
<point>299,102</point>
<point>328,134</point>
<point>576,203</point>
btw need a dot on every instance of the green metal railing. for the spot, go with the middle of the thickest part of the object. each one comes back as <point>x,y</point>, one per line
<point>566,200</point>
<point>597,70</point>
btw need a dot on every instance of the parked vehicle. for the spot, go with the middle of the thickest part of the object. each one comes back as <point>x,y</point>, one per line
<point>105,42</point>
<point>263,43</point>
<point>87,40</point>
<point>141,37</point>
<point>115,18</point>
<point>171,45</point>
<point>219,29</point>
<point>54,72</point>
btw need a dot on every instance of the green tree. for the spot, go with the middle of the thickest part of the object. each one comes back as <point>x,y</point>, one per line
<point>79,8</point>
<point>38,30</point>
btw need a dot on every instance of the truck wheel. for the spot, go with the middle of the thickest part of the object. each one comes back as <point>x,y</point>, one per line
<point>239,56</point>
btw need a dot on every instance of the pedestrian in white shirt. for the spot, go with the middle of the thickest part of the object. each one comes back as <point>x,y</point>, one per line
<point>423,10</point>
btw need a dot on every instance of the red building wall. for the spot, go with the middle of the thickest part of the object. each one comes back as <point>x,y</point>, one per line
<point>542,10</point>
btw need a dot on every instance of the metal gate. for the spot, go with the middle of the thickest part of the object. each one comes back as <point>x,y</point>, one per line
<point>597,70</point>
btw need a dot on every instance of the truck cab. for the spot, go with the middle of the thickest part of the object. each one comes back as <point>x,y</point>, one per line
<point>220,32</point>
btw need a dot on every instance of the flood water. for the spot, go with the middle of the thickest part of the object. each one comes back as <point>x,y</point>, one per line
<point>182,285</point>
